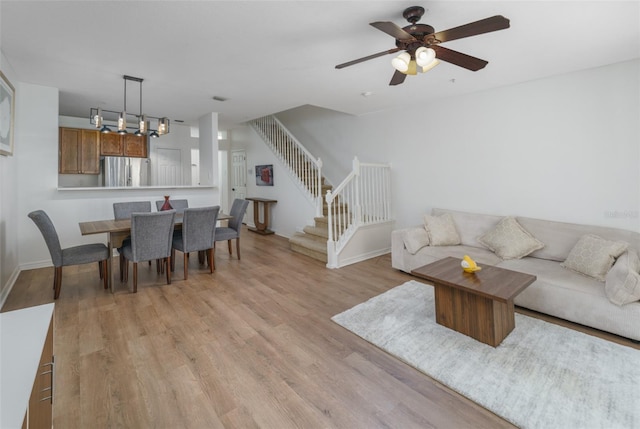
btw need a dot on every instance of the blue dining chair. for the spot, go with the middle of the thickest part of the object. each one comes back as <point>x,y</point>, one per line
<point>76,255</point>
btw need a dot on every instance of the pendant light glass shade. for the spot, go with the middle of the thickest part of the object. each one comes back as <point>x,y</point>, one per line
<point>142,124</point>
<point>163,126</point>
<point>424,56</point>
<point>122,123</point>
<point>98,118</point>
<point>401,62</point>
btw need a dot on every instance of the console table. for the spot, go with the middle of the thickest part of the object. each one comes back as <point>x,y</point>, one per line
<point>265,203</point>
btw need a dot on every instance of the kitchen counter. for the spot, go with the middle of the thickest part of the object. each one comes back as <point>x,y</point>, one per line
<point>22,337</point>
<point>131,188</point>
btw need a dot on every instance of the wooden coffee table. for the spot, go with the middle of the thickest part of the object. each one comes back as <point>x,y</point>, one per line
<point>479,304</point>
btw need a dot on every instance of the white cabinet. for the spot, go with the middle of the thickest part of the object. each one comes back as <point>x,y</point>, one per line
<point>26,367</point>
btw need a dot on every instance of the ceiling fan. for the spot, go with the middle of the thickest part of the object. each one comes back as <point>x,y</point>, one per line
<point>421,44</point>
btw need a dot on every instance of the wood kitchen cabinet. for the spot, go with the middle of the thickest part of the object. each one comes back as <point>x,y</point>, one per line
<point>135,146</point>
<point>113,144</point>
<point>79,151</point>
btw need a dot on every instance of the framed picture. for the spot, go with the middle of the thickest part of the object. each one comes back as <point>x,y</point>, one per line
<point>7,113</point>
<point>264,175</point>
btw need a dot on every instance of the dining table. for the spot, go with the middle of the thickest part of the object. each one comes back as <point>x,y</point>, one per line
<point>118,231</point>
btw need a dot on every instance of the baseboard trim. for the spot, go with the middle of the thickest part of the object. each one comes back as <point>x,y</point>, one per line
<point>359,258</point>
<point>6,290</point>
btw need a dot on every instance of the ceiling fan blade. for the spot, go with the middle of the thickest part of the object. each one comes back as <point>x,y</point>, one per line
<point>397,78</point>
<point>392,30</point>
<point>459,59</point>
<point>486,25</point>
<point>369,57</point>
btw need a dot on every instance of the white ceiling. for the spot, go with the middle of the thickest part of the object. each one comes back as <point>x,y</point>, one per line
<point>270,56</point>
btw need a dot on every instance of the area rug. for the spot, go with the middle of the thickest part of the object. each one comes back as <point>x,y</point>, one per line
<point>541,376</point>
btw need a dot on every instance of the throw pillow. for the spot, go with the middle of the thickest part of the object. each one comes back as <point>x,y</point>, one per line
<point>509,240</point>
<point>622,284</point>
<point>594,256</point>
<point>442,230</point>
<point>415,239</point>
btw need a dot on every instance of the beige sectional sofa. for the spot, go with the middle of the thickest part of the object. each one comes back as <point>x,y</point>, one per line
<point>562,253</point>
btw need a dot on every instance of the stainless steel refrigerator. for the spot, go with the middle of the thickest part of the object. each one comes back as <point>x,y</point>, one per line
<point>122,171</point>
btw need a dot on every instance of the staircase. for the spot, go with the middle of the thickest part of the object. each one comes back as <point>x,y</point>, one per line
<point>366,189</point>
<point>312,241</point>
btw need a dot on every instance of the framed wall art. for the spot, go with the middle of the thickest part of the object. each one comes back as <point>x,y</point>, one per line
<point>7,114</point>
<point>264,175</point>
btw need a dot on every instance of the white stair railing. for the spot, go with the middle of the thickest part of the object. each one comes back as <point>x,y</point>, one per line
<point>305,168</point>
<point>363,198</point>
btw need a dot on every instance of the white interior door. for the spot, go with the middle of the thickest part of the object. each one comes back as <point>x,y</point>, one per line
<point>195,167</point>
<point>238,174</point>
<point>169,167</point>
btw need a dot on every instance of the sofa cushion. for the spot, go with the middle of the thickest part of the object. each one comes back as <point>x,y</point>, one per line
<point>568,295</point>
<point>470,226</point>
<point>551,272</point>
<point>560,237</point>
<point>509,240</point>
<point>442,230</point>
<point>622,282</point>
<point>415,239</point>
<point>480,255</point>
<point>594,256</point>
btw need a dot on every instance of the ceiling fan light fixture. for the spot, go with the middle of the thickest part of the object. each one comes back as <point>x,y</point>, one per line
<point>429,67</point>
<point>413,68</point>
<point>425,56</point>
<point>401,62</point>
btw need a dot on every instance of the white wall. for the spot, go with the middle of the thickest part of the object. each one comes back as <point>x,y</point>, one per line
<point>564,148</point>
<point>208,136</point>
<point>292,211</point>
<point>9,269</point>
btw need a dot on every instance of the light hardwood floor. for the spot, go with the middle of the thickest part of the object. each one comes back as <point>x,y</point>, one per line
<point>251,345</point>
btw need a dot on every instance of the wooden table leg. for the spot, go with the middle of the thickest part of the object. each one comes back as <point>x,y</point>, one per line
<point>261,227</point>
<point>110,264</point>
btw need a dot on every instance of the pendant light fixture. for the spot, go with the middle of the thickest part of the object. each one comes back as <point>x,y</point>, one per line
<point>99,117</point>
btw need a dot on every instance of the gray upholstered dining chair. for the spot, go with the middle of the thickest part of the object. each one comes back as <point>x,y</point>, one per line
<point>76,255</point>
<point>232,231</point>
<point>124,211</point>
<point>198,234</point>
<point>177,205</point>
<point>151,237</point>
